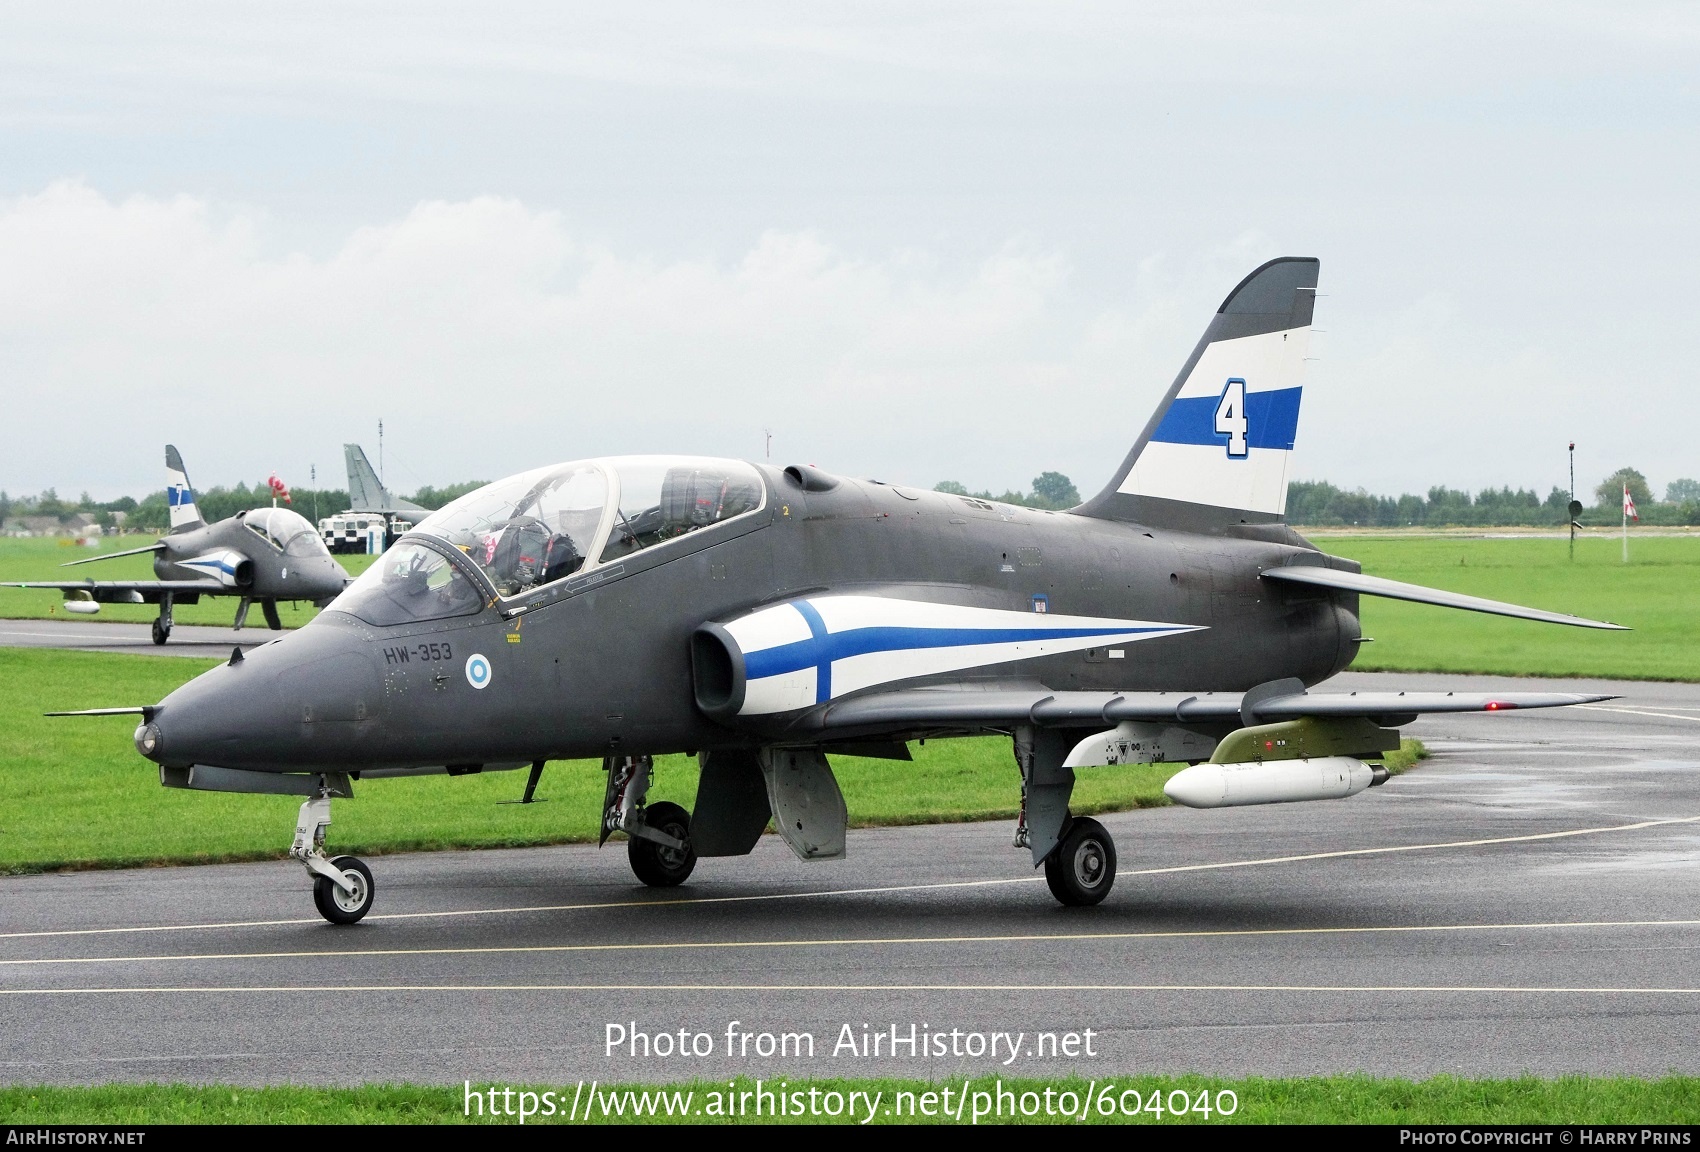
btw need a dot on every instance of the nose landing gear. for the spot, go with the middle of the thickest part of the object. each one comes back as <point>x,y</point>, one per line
<point>342,887</point>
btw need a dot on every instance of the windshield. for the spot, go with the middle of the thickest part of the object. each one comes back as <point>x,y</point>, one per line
<point>284,530</point>
<point>529,529</point>
<point>409,583</point>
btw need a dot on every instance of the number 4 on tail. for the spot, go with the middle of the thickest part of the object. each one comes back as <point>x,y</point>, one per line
<point>1230,417</point>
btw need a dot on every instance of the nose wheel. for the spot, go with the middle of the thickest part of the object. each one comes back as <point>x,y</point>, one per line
<point>340,905</point>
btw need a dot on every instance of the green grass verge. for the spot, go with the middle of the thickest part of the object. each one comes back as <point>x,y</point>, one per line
<point>1655,594</point>
<point>36,558</point>
<point>1307,1100</point>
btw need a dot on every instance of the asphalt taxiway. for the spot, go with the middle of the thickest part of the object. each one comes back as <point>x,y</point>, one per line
<point>1524,901</point>
<point>110,636</point>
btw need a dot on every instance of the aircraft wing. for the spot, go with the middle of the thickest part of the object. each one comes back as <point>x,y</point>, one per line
<point>1319,577</point>
<point>966,707</point>
<point>126,591</point>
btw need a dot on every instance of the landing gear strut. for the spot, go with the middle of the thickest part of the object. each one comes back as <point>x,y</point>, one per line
<point>342,887</point>
<point>162,626</point>
<point>659,835</point>
<point>1078,855</point>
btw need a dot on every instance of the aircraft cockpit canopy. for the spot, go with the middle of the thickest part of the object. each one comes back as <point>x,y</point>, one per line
<point>287,531</point>
<point>550,523</point>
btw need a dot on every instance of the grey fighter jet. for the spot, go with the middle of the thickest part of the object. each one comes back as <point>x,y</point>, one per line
<point>767,618</point>
<point>261,556</point>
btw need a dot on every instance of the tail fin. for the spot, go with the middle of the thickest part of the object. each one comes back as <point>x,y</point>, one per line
<point>1216,451</point>
<point>179,497</point>
<point>366,493</point>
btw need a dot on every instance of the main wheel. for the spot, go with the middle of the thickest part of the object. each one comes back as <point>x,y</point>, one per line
<point>1082,867</point>
<point>656,864</point>
<point>341,907</point>
<point>160,633</point>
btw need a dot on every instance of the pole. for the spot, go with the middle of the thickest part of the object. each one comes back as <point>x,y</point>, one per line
<point>1626,523</point>
<point>381,454</point>
<point>1573,501</point>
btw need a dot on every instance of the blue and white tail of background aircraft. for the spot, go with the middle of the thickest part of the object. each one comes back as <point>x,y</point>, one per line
<point>179,496</point>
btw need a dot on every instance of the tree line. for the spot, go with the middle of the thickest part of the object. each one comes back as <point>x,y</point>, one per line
<point>1314,503</point>
<point>152,514</point>
<point>1318,503</point>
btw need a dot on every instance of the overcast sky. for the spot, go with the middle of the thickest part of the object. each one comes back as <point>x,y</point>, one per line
<point>915,241</point>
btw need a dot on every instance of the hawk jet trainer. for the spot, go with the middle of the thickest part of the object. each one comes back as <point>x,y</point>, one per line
<point>260,556</point>
<point>766,618</point>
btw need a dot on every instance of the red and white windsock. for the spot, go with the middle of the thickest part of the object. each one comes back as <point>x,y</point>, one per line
<point>1629,505</point>
<point>280,490</point>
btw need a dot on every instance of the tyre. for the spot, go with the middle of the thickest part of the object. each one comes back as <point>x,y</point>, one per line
<point>1082,867</point>
<point>655,864</point>
<point>341,907</point>
<point>160,633</point>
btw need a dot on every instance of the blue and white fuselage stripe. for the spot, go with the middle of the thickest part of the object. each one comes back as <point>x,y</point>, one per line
<point>809,651</point>
<point>222,566</point>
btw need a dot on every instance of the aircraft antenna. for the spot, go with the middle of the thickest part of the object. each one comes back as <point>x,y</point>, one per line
<point>768,432</point>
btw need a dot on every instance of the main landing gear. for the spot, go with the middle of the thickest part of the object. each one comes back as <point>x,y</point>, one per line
<point>162,626</point>
<point>342,886</point>
<point>1077,853</point>
<point>659,835</point>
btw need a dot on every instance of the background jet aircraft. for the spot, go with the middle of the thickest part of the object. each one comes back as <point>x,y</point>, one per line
<point>366,493</point>
<point>263,555</point>
<point>369,501</point>
<point>767,618</point>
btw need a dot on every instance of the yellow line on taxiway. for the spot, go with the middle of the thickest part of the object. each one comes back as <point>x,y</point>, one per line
<point>872,891</point>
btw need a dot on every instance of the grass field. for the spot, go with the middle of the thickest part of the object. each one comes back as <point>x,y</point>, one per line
<point>77,794</point>
<point>1657,594</point>
<point>1309,1100</point>
<point>39,558</point>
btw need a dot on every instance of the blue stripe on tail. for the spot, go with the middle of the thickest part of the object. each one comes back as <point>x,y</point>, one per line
<point>1272,420</point>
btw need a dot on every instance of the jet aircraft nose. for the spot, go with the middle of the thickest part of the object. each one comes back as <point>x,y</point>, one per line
<point>307,700</point>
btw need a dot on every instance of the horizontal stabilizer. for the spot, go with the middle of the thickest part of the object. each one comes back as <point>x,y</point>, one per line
<point>1320,577</point>
<point>968,708</point>
<point>155,547</point>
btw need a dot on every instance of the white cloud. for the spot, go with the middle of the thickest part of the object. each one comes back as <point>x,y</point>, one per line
<point>489,339</point>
